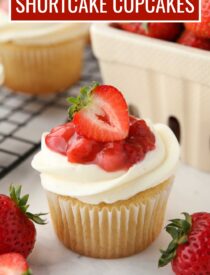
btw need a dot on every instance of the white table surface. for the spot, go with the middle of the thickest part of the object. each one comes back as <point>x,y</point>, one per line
<point>191,193</point>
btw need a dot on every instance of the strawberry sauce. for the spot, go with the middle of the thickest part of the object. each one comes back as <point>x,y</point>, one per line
<point>110,156</point>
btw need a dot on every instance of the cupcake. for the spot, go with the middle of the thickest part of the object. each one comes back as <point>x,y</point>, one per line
<point>107,175</point>
<point>40,58</point>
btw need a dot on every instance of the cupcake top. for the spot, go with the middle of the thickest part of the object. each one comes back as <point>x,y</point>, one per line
<point>103,154</point>
<point>37,33</point>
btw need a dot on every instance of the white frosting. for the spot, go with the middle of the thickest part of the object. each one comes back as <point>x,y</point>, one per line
<point>39,33</point>
<point>91,184</point>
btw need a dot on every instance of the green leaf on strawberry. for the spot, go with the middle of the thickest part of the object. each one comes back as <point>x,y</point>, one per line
<point>82,100</point>
<point>100,113</point>
<point>189,249</point>
<point>17,229</point>
<point>21,202</point>
<point>178,229</point>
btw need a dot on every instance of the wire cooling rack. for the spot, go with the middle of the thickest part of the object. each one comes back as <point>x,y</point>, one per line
<point>23,118</point>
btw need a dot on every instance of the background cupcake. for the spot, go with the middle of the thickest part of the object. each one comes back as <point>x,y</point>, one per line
<point>107,198</point>
<point>41,58</point>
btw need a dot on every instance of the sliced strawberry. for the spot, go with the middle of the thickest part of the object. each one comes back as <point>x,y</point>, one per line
<point>112,157</point>
<point>100,113</point>
<point>14,264</point>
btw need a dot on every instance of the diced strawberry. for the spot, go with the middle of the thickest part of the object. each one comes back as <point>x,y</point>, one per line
<point>14,264</point>
<point>112,157</point>
<point>65,131</point>
<point>134,152</point>
<point>141,134</point>
<point>82,150</point>
<point>59,136</point>
<point>56,142</point>
<point>103,116</point>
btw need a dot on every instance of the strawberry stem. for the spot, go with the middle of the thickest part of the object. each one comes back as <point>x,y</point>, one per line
<point>82,100</point>
<point>15,195</point>
<point>179,230</point>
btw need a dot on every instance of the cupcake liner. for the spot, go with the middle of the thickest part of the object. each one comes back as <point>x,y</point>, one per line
<point>110,230</point>
<point>42,69</point>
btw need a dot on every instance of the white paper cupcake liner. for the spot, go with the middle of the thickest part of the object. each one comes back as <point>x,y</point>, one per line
<point>109,231</point>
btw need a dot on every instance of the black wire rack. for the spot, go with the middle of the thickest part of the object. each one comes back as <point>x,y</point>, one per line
<point>23,117</point>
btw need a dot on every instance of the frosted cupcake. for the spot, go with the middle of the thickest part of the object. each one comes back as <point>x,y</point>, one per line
<point>107,175</point>
<point>41,58</point>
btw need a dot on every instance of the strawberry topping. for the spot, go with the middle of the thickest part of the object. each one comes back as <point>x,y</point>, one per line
<point>110,156</point>
<point>101,131</point>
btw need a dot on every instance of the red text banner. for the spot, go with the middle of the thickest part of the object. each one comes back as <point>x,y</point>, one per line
<point>105,10</point>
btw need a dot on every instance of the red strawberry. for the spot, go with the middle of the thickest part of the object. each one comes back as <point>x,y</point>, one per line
<point>189,250</point>
<point>100,113</point>
<point>82,150</point>
<point>141,134</point>
<point>17,231</point>
<point>14,264</point>
<point>201,29</point>
<point>112,157</point>
<point>59,136</point>
<point>134,153</point>
<point>65,130</point>
<point>165,31</point>
<point>189,39</point>
<point>131,27</point>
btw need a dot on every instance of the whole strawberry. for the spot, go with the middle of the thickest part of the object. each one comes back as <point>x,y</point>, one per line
<point>201,29</point>
<point>189,251</point>
<point>165,31</point>
<point>13,264</point>
<point>189,39</point>
<point>17,230</point>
